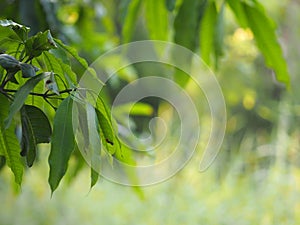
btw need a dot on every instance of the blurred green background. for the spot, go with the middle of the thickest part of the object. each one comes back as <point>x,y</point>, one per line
<point>254,180</point>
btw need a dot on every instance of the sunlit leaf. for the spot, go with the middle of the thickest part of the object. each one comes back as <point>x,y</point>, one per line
<point>254,16</point>
<point>37,44</point>
<point>207,32</point>
<point>62,143</point>
<point>157,19</point>
<point>9,144</point>
<point>130,20</point>
<point>73,52</point>
<point>21,30</point>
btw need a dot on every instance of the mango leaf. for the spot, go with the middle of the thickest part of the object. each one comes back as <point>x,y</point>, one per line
<point>107,132</point>
<point>130,20</point>
<point>94,142</point>
<point>23,92</point>
<point>239,12</point>
<point>94,177</point>
<point>81,61</point>
<point>254,16</point>
<point>21,96</point>
<point>9,144</point>
<point>266,39</point>
<point>20,30</point>
<point>186,26</point>
<point>35,129</point>
<point>157,19</point>
<point>57,66</point>
<point>207,32</point>
<point>219,34</point>
<point>39,43</point>
<point>170,4</point>
<point>62,143</point>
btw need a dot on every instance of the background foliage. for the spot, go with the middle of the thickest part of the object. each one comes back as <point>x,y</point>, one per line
<point>254,180</point>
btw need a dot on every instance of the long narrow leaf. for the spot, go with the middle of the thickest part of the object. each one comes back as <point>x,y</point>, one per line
<point>62,143</point>
<point>130,20</point>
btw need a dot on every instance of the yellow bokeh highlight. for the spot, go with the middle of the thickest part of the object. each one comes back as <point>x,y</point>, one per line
<point>249,100</point>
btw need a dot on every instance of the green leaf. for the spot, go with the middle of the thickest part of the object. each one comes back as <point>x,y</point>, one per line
<point>219,34</point>
<point>94,142</point>
<point>37,130</point>
<point>130,20</point>
<point>57,66</point>
<point>170,4</point>
<point>20,30</point>
<point>207,32</point>
<point>157,19</point>
<point>139,109</point>
<point>9,144</point>
<point>94,177</point>
<point>253,15</point>
<point>81,61</point>
<point>107,132</point>
<point>21,96</point>
<point>265,35</point>
<point>39,43</point>
<point>237,8</point>
<point>186,24</point>
<point>62,143</point>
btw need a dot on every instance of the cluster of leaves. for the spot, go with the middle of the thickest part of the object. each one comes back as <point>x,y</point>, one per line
<point>199,24</point>
<point>27,103</point>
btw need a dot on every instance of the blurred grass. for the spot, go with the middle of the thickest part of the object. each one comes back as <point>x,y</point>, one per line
<point>262,197</point>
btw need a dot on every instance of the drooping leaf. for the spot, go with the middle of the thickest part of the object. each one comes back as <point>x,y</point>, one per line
<point>239,12</point>
<point>130,20</point>
<point>157,19</point>
<point>37,130</point>
<point>207,32</point>
<point>186,26</point>
<point>9,144</point>
<point>219,34</point>
<point>21,96</point>
<point>107,132</point>
<point>94,142</point>
<point>94,177</point>
<point>21,30</point>
<point>252,15</point>
<point>266,39</point>
<point>62,143</point>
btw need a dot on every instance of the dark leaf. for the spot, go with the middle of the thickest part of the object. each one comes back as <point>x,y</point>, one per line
<point>21,96</point>
<point>170,4</point>
<point>35,129</point>
<point>62,143</point>
<point>27,70</point>
<point>8,62</point>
